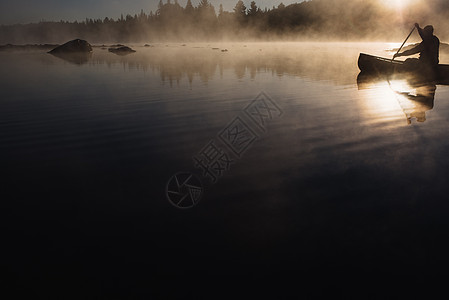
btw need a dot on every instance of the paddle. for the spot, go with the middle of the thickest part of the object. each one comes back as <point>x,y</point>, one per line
<point>404,42</point>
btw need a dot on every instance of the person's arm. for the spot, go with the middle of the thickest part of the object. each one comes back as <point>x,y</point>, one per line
<point>415,50</point>
<point>420,31</point>
<point>412,51</point>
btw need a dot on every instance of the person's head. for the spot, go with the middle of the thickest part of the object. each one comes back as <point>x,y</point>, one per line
<point>428,30</point>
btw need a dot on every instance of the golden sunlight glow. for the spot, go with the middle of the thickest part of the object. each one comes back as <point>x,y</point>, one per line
<point>397,4</point>
<point>382,102</point>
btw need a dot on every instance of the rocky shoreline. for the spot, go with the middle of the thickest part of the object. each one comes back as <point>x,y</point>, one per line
<point>27,47</point>
<point>48,47</point>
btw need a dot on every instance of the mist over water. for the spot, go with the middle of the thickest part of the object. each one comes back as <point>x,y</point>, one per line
<point>316,20</point>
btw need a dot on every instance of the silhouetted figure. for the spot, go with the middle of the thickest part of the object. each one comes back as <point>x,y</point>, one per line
<point>428,50</point>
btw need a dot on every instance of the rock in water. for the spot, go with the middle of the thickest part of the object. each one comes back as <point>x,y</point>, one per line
<point>75,46</point>
<point>122,50</point>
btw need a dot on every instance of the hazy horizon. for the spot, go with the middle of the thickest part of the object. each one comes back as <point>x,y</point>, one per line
<point>326,20</point>
<point>28,11</point>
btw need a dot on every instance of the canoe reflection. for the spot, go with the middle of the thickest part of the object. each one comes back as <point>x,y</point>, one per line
<point>422,101</point>
<point>416,97</point>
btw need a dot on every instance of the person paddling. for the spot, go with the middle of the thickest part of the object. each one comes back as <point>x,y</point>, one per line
<point>428,49</point>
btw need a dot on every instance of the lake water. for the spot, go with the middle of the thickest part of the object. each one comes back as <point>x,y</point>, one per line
<point>330,174</point>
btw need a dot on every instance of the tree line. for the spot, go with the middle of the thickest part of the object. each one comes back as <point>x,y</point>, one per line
<point>323,19</point>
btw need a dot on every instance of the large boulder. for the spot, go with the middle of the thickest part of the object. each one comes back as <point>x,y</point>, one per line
<point>75,46</point>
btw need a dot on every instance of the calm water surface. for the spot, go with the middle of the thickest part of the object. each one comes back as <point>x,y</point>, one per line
<point>353,175</point>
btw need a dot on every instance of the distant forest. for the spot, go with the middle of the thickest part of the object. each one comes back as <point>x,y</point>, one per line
<point>318,19</point>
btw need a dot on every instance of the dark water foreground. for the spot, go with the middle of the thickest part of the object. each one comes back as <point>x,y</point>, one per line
<point>342,183</point>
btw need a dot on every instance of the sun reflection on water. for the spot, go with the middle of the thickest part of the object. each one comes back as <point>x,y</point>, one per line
<point>380,104</point>
<point>390,100</point>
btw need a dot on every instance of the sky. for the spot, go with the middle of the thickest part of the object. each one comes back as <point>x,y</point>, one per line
<point>29,11</point>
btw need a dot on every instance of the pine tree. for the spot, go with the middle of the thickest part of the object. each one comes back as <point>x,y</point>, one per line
<point>240,8</point>
<point>240,11</point>
<point>204,4</point>
<point>160,7</point>
<point>189,8</point>
<point>253,10</point>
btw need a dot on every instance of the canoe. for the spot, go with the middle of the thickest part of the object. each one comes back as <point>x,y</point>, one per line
<point>369,63</point>
<point>378,65</point>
